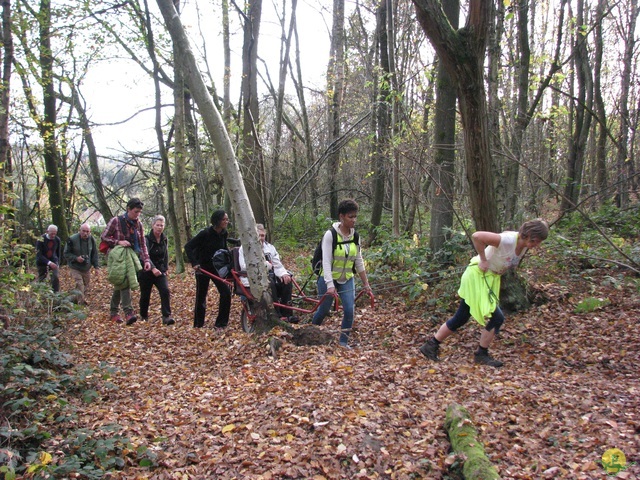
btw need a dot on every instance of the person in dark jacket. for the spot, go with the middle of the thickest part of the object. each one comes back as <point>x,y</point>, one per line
<point>157,246</point>
<point>48,255</point>
<point>126,231</point>
<point>200,250</point>
<point>81,253</point>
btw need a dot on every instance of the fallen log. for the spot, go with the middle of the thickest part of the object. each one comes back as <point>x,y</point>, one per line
<point>464,441</point>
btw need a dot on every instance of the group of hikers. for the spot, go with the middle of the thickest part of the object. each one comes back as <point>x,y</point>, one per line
<point>138,259</point>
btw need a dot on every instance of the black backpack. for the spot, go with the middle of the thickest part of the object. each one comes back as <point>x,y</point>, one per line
<point>316,261</point>
<point>222,262</point>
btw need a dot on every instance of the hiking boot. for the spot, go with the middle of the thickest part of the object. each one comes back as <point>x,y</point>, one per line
<point>293,319</point>
<point>483,358</point>
<point>131,318</point>
<point>430,349</point>
<point>168,321</point>
<point>116,318</point>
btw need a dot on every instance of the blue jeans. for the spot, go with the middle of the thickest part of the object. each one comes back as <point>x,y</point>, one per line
<point>347,294</point>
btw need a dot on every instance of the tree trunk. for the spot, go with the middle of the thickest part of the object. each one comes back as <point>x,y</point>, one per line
<point>464,440</point>
<point>495,95</point>
<point>252,155</point>
<point>462,53</point>
<point>582,118</point>
<point>335,84</point>
<point>230,170</point>
<point>226,82</point>
<point>162,149</point>
<point>393,80</point>
<point>602,179</point>
<point>94,168</point>
<point>624,166</point>
<point>282,77</point>
<point>180,232</point>
<point>308,140</point>
<point>48,123</point>
<point>512,168</point>
<point>382,121</point>
<point>5,95</point>
<point>444,146</point>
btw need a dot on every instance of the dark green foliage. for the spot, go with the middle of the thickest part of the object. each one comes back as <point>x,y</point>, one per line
<point>37,381</point>
<point>622,223</point>
<point>595,237</point>
<point>406,265</point>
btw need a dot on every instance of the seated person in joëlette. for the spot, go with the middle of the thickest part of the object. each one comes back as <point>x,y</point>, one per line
<point>279,277</point>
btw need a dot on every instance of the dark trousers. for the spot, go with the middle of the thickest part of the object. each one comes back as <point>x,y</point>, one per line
<point>202,288</point>
<point>43,271</point>
<point>147,280</point>
<point>282,294</point>
<point>463,314</point>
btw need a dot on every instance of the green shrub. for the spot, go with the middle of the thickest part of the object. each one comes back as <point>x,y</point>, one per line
<point>37,380</point>
<point>591,304</point>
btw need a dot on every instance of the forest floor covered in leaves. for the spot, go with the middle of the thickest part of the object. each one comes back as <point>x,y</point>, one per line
<point>215,404</point>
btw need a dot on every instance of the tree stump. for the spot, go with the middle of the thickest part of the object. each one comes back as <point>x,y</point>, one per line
<point>513,293</point>
<point>464,441</point>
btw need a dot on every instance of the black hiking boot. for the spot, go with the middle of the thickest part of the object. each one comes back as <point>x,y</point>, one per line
<point>482,357</point>
<point>430,349</point>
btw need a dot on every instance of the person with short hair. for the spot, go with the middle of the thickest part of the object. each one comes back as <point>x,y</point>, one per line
<point>338,267</point>
<point>200,250</point>
<point>157,245</point>
<point>279,277</point>
<point>480,286</point>
<point>126,231</point>
<point>81,253</point>
<point>48,255</point>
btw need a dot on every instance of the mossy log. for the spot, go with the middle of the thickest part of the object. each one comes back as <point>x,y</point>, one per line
<point>464,441</point>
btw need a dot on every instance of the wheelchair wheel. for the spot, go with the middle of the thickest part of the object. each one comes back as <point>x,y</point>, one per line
<point>246,318</point>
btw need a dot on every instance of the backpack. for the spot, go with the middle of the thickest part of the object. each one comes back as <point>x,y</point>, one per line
<point>222,262</point>
<point>316,261</point>
<point>104,246</point>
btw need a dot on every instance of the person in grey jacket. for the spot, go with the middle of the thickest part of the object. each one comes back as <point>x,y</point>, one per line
<point>81,254</point>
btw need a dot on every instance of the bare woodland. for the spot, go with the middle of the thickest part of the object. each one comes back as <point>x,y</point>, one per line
<point>438,117</point>
<point>546,113</point>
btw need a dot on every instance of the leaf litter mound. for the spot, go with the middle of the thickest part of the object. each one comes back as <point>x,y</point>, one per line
<point>216,404</point>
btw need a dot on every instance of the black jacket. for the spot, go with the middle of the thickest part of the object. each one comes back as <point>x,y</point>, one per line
<point>200,249</point>
<point>158,251</point>
<point>44,254</point>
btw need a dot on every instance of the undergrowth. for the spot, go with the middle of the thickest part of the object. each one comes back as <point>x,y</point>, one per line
<point>38,381</point>
<point>39,385</point>
<point>405,269</point>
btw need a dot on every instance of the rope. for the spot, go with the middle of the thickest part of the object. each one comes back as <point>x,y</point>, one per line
<point>393,284</point>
